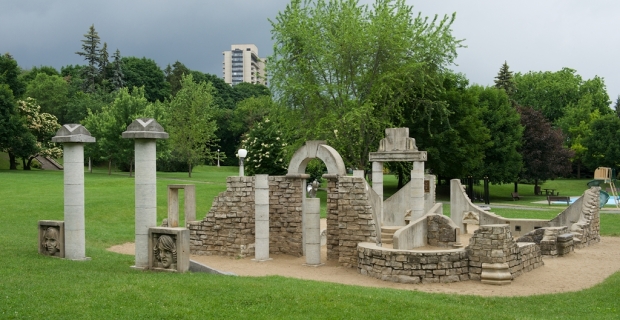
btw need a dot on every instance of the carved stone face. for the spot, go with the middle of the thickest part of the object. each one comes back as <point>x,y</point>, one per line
<point>166,258</point>
<point>50,241</point>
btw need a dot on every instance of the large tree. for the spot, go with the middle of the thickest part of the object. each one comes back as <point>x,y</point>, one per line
<point>140,72</point>
<point>601,143</point>
<point>551,92</point>
<point>543,151</point>
<point>9,75</point>
<point>43,126</point>
<point>92,54</point>
<point>345,69</point>
<point>190,124</point>
<point>505,80</point>
<point>51,94</point>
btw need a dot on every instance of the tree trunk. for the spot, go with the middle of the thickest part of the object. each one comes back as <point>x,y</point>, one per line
<point>578,169</point>
<point>516,186</point>
<point>109,166</point>
<point>24,165</point>
<point>29,163</point>
<point>189,171</point>
<point>12,161</point>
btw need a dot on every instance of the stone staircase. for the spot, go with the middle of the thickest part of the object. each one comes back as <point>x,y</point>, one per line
<point>387,234</point>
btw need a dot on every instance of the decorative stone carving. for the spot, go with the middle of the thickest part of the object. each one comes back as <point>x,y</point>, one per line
<point>169,249</point>
<point>52,238</point>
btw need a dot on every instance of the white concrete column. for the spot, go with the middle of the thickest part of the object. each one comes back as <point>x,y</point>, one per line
<point>313,232</point>
<point>261,217</point>
<point>75,237</point>
<point>73,137</point>
<point>145,131</point>
<point>377,185</point>
<point>146,197</point>
<point>417,190</point>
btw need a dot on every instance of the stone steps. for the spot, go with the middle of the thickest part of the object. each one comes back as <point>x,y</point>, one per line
<point>387,233</point>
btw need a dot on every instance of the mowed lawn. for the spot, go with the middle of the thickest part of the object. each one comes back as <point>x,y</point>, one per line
<point>35,286</point>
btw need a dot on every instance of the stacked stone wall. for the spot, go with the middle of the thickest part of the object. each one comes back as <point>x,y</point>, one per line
<point>407,266</point>
<point>355,219</point>
<point>493,244</point>
<point>587,229</point>
<point>333,235</point>
<point>228,228</point>
<point>442,232</point>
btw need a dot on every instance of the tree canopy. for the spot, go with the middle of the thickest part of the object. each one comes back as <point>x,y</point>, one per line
<point>344,69</point>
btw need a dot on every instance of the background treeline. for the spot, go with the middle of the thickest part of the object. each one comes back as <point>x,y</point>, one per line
<point>350,72</point>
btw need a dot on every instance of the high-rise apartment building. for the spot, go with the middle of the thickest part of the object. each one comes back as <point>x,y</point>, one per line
<point>242,64</point>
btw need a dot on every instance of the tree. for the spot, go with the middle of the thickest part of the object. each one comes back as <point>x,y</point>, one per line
<point>140,72</point>
<point>104,58</point>
<point>551,92</point>
<point>543,151</point>
<point>600,143</point>
<point>13,136</point>
<point>343,66</point>
<point>9,72</point>
<point>92,55</point>
<point>29,75</point>
<point>617,106</point>
<point>108,125</point>
<point>502,162</point>
<point>42,126</point>
<point>456,143</point>
<point>191,128</point>
<point>266,149</point>
<point>117,75</point>
<point>504,80</point>
<point>175,76</point>
<point>51,93</point>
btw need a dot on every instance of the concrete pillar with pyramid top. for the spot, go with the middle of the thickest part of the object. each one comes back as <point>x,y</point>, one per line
<point>145,131</point>
<point>73,137</point>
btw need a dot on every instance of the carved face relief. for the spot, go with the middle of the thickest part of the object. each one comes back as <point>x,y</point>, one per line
<point>166,252</point>
<point>50,241</point>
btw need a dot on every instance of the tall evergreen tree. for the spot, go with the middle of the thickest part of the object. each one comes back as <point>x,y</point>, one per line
<point>617,107</point>
<point>504,80</point>
<point>117,76</point>
<point>104,61</point>
<point>92,54</point>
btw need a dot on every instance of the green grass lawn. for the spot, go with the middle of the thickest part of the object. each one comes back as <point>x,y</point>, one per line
<point>35,286</point>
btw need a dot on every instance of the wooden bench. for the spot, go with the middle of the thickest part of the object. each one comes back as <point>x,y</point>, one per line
<point>558,198</point>
<point>515,196</point>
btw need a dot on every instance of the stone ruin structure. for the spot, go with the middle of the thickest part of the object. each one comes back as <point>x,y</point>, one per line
<point>403,239</point>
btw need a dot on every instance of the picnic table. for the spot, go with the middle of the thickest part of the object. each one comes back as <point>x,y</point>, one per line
<point>550,192</point>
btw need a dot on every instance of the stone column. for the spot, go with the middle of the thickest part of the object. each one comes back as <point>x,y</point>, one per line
<point>73,137</point>
<point>377,184</point>
<point>145,131</point>
<point>417,190</point>
<point>313,232</point>
<point>261,217</point>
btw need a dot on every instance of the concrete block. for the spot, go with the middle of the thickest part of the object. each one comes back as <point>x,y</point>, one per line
<point>52,238</point>
<point>168,249</point>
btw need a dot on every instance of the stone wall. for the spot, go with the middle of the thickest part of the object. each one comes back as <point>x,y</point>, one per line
<point>493,244</point>
<point>442,232</point>
<point>530,257</point>
<point>553,241</point>
<point>409,266</point>
<point>228,228</point>
<point>354,218</point>
<point>586,230</point>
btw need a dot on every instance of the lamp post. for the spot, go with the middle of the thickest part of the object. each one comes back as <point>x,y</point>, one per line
<point>242,153</point>
<point>218,157</point>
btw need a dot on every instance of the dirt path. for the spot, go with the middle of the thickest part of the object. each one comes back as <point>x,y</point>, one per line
<point>580,270</point>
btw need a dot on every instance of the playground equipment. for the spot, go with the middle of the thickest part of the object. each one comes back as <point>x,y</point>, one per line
<point>607,175</point>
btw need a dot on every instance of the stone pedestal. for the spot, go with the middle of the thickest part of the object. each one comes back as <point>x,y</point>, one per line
<point>73,137</point>
<point>417,190</point>
<point>312,226</point>
<point>261,217</point>
<point>168,249</point>
<point>145,132</point>
<point>496,274</point>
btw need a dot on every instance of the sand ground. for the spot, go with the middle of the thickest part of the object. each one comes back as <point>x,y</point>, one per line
<point>581,269</point>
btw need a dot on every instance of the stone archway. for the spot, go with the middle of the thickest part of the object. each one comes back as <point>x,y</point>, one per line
<point>335,169</point>
<point>316,149</point>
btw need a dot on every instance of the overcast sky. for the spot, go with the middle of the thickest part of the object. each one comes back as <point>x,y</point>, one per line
<point>531,35</point>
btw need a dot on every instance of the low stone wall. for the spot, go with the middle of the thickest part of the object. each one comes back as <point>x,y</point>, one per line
<point>355,219</point>
<point>442,232</point>
<point>553,241</point>
<point>493,244</point>
<point>411,266</point>
<point>228,228</point>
